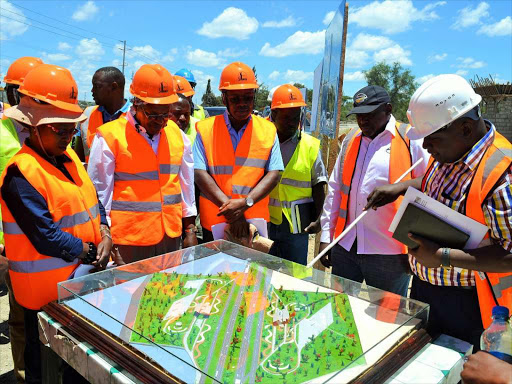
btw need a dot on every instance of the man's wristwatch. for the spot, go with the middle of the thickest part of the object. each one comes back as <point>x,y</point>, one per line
<point>91,255</point>
<point>445,258</point>
<point>249,202</point>
<point>191,230</point>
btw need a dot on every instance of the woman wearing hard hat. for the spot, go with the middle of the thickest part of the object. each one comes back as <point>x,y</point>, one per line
<point>52,219</point>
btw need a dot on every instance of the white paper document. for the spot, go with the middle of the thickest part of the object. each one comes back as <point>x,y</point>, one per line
<point>260,224</point>
<point>474,229</point>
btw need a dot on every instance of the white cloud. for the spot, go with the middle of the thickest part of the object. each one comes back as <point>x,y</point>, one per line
<point>11,27</point>
<point>392,55</point>
<point>355,58</point>
<point>469,16</point>
<point>232,22</point>
<point>366,42</point>
<point>291,76</point>
<point>202,58</point>
<point>233,52</point>
<point>145,54</point>
<point>55,57</point>
<point>328,17</point>
<point>85,12</point>
<point>425,78</point>
<point>90,49</point>
<point>4,66</point>
<point>462,72</point>
<point>297,76</point>
<point>437,57</point>
<point>299,43</point>
<point>469,62</point>
<point>63,46</point>
<point>354,76</point>
<point>274,75</point>
<point>392,16</point>
<point>501,28</point>
<point>290,21</point>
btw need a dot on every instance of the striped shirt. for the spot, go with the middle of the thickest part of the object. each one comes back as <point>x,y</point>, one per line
<point>449,183</point>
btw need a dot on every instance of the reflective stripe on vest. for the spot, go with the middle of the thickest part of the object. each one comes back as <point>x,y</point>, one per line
<point>493,288</point>
<point>295,183</point>
<point>236,173</point>
<point>73,207</point>
<point>400,160</point>
<point>42,265</point>
<point>146,203</point>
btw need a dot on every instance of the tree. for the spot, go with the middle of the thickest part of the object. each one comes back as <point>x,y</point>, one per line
<point>209,99</point>
<point>261,95</point>
<point>399,82</point>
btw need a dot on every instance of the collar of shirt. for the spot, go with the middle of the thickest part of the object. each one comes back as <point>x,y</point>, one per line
<point>293,139</point>
<point>139,128</point>
<point>473,157</point>
<point>107,117</point>
<point>235,136</point>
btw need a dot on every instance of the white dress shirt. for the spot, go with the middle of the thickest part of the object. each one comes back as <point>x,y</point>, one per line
<point>102,165</point>
<point>371,171</point>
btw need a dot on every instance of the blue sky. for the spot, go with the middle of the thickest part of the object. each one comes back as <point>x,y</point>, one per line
<point>284,39</point>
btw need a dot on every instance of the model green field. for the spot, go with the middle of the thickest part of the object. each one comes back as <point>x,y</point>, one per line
<point>238,327</point>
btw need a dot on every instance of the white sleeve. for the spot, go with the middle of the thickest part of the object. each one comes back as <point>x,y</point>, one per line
<point>186,176</point>
<point>418,152</point>
<point>101,167</point>
<point>331,204</point>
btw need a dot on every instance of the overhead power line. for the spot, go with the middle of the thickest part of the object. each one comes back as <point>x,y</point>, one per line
<point>69,25</point>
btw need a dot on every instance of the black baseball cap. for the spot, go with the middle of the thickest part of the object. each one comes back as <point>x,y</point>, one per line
<point>368,99</point>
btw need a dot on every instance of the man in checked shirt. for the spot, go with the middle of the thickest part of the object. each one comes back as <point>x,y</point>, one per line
<point>470,171</point>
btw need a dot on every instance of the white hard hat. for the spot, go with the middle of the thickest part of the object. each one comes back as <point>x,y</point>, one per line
<point>438,102</point>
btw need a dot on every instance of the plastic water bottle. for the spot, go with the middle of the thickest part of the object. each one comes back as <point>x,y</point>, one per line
<point>497,339</point>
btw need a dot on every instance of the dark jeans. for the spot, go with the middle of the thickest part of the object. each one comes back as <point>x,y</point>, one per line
<point>32,352</point>
<point>288,246</point>
<point>387,272</point>
<point>454,311</point>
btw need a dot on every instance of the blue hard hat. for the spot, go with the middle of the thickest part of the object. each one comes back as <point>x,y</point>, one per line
<point>184,72</point>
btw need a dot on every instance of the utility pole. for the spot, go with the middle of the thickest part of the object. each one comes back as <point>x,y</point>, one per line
<point>124,54</point>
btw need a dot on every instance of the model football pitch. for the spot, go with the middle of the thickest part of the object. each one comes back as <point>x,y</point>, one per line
<point>239,328</point>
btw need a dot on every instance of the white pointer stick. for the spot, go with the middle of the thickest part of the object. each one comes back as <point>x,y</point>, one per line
<point>353,224</point>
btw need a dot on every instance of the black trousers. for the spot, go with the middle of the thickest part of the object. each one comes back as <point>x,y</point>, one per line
<point>42,365</point>
<point>454,311</point>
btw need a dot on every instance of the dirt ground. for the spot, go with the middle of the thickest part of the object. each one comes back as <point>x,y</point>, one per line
<point>6,372</point>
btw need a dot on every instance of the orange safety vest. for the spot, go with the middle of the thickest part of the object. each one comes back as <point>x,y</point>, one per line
<point>73,207</point>
<point>146,202</point>
<point>492,288</point>
<point>236,173</point>
<point>400,161</point>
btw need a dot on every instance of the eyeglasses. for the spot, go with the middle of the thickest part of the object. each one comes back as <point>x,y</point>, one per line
<point>159,116</point>
<point>63,132</point>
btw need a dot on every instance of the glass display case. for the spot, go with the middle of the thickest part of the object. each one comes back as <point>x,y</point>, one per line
<point>220,312</point>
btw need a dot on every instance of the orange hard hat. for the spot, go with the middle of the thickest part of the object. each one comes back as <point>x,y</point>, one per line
<point>183,86</point>
<point>19,68</point>
<point>237,76</point>
<point>287,96</point>
<point>52,84</point>
<point>153,84</point>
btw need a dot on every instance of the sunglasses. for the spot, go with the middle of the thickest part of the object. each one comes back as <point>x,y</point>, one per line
<point>64,132</point>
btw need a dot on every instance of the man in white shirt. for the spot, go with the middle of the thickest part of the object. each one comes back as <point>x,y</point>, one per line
<point>143,170</point>
<point>374,154</point>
